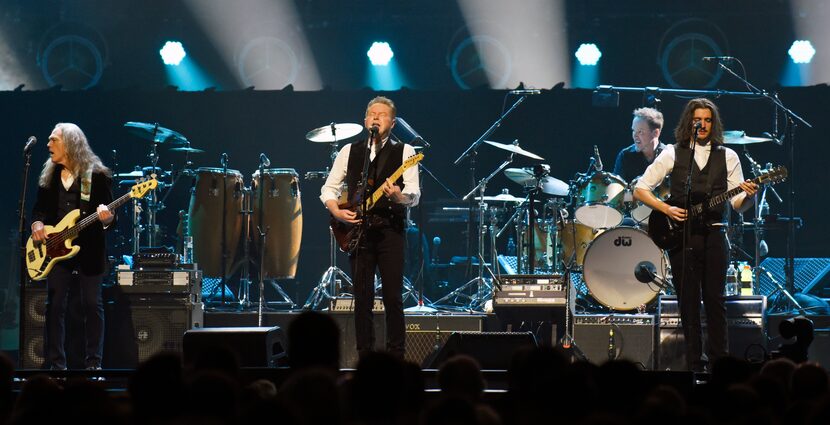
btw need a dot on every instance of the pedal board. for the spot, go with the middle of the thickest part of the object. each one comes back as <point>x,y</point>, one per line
<point>346,305</point>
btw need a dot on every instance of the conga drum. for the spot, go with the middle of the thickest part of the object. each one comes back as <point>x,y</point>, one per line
<point>205,225</point>
<point>282,216</point>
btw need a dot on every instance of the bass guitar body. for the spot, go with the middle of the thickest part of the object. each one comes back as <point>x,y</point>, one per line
<point>41,257</point>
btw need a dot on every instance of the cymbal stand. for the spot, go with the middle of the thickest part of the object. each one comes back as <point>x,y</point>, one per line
<point>482,285</point>
<point>327,285</point>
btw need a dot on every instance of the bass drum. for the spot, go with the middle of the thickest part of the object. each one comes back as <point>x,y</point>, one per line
<point>282,216</point>
<point>610,262</point>
<point>205,218</point>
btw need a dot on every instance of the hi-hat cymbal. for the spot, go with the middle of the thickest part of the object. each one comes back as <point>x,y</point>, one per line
<point>187,149</point>
<point>739,137</point>
<point>502,197</point>
<point>155,133</point>
<point>514,148</point>
<point>327,134</point>
<point>548,185</point>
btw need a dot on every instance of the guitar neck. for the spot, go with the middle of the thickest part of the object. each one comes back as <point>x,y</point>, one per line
<point>379,191</point>
<point>719,199</point>
<point>92,218</point>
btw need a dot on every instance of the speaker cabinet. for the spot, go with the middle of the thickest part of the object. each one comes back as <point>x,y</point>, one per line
<point>33,327</point>
<point>140,326</point>
<point>616,336</point>
<point>427,333</point>
<point>492,350</point>
<point>253,346</point>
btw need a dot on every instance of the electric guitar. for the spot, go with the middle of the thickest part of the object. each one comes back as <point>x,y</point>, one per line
<point>42,256</point>
<point>346,234</point>
<point>668,234</point>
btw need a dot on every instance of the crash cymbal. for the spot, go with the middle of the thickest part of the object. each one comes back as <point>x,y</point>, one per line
<point>187,149</point>
<point>326,134</point>
<point>549,185</point>
<point>514,148</point>
<point>739,137</point>
<point>502,197</point>
<point>132,174</point>
<point>155,133</point>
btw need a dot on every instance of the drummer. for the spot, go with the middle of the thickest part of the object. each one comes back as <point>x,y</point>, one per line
<point>633,160</point>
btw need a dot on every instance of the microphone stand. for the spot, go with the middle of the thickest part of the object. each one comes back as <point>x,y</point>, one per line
<point>263,233</point>
<point>364,222</point>
<point>792,117</point>
<point>222,240</point>
<point>21,225</point>
<point>687,226</point>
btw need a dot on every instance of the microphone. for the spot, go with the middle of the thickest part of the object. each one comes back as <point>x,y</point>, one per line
<point>598,164</point>
<point>718,58</point>
<point>224,159</point>
<point>525,92</point>
<point>264,161</point>
<point>413,135</point>
<point>645,272</point>
<point>436,242</point>
<point>29,144</point>
<point>777,141</point>
<point>374,129</point>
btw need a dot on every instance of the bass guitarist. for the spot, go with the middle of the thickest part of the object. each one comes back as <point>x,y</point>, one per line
<point>699,270</point>
<point>381,243</point>
<point>74,178</point>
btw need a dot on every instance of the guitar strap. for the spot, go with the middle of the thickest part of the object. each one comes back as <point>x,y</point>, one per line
<point>86,188</point>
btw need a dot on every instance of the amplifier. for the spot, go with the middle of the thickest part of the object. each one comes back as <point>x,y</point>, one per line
<point>346,305</point>
<point>601,337</point>
<point>161,282</point>
<point>158,258</point>
<point>531,290</point>
<point>745,317</point>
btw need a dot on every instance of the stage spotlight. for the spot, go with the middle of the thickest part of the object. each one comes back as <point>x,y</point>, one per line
<point>588,54</point>
<point>172,53</point>
<point>802,51</point>
<point>380,53</point>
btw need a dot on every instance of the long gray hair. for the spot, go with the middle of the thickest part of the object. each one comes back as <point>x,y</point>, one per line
<point>78,152</point>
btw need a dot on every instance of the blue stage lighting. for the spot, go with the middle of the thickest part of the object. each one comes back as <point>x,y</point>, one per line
<point>588,54</point>
<point>380,53</point>
<point>172,53</point>
<point>802,51</point>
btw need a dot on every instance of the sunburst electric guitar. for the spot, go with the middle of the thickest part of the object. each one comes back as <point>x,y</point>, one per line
<point>347,234</point>
<point>42,256</point>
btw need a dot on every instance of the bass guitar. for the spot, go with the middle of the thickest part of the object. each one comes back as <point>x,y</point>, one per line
<point>42,256</point>
<point>346,234</point>
<point>668,234</point>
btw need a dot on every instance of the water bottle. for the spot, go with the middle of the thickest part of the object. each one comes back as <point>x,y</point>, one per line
<point>733,285</point>
<point>187,255</point>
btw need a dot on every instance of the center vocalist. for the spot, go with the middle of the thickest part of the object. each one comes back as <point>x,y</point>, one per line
<point>381,247</point>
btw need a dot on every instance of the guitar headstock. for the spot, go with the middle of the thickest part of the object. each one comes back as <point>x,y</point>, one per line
<point>141,188</point>
<point>412,160</point>
<point>774,175</point>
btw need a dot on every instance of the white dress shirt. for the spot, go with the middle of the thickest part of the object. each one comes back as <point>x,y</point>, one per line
<point>664,163</point>
<point>337,176</point>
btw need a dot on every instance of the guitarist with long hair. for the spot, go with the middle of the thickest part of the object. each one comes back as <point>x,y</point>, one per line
<point>379,236</point>
<point>699,270</point>
<point>74,178</point>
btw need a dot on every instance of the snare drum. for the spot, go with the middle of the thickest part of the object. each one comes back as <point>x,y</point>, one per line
<point>639,211</point>
<point>282,216</point>
<point>205,224</point>
<point>610,262</point>
<point>599,200</point>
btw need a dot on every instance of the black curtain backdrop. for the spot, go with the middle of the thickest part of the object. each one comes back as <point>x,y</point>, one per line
<point>560,125</point>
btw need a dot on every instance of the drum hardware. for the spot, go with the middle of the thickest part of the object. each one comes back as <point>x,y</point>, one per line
<point>482,287</point>
<point>548,185</point>
<point>739,137</point>
<point>334,279</point>
<point>155,133</point>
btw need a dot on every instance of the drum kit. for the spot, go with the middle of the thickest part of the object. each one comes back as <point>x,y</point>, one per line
<point>224,215</point>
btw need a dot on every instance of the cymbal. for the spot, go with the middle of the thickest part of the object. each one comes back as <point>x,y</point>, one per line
<point>514,148</point>
<point>549,185</point>
<point>155,133</point>
<point>502,197</point>
<point>341,131</point>
<point>739,137</point>
<point>132,174</point>
<point>187,149</point>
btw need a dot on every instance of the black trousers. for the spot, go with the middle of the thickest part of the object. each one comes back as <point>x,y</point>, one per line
<point>381,249</point>
<point>702,277</point>
<point>58,282</point>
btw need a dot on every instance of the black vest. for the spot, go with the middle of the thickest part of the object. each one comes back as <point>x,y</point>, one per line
<point>708,182</point>
<point>389,159</point>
